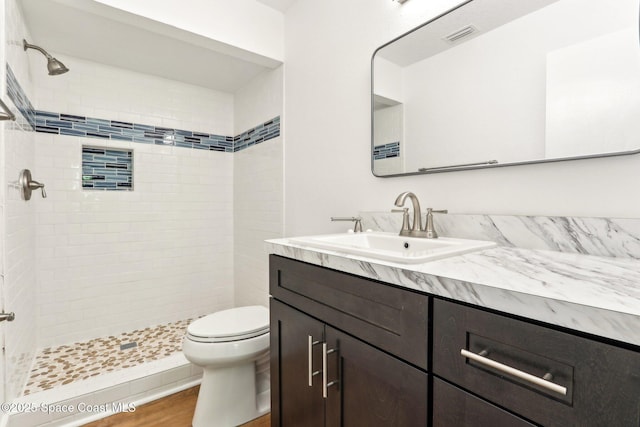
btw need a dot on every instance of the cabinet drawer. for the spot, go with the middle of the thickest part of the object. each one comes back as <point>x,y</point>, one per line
<point>389,318</point>
<point>602,381</point>
<point>455,407</point>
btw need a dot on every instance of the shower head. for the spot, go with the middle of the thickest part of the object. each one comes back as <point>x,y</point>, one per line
<point>54,66</point>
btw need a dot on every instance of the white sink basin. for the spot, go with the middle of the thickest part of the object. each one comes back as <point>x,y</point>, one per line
<point>392,247</point>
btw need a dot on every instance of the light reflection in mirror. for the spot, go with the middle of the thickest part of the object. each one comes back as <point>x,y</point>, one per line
<point>521,82</point>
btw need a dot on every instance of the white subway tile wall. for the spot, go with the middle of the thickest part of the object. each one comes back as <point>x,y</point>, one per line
<point>96,90</point>
<point>77,241</point>
<point>258,206</point>
<point>19,218</point>
<point>113,261</point>
<point>258,190</point>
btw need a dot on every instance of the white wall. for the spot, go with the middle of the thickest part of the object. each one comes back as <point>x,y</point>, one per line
<point>115,261</point>
<point>258,193</point>
<point>593,96</point>
<point>388,79</point>
<point>327,154</point>
<point>19,217</point>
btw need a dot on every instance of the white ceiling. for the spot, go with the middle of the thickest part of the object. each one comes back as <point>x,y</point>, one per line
<point>110,36</point>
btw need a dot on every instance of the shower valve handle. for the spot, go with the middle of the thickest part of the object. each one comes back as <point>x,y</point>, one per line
<point>34,185</point>
<point>27,185</point>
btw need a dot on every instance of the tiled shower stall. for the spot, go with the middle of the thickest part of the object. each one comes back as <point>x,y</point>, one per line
<point>159,195</point>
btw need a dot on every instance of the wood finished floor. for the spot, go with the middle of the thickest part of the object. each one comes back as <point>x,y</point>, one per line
<point>175,411</point>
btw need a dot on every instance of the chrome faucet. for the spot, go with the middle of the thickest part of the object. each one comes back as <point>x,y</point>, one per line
<point>416,230</point>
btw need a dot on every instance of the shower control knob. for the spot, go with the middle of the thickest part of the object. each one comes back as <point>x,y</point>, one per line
<point>9,317</point>
<point>34,185</point>
<point>27,185</point>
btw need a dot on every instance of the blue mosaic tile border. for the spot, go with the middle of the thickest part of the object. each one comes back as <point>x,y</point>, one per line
<point>386,151</point>
<point>20,98</point>
<point>107,168</point>
<point>66,124</point>
<point>258,134</point>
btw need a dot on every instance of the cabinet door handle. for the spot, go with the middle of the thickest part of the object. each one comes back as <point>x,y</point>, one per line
<point>515,372</point>
<point>325,384</point>
<point>310,353</point>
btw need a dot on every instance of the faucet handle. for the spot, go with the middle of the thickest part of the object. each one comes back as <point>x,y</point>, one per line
<point>405,218</point>
<point>429,229</point>
<point>34,185</point>
<point>357,227</point>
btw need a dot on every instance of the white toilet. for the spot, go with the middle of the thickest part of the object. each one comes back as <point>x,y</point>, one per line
<point>226,345</point>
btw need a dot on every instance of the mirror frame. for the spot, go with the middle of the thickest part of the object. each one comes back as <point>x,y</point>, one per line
<point>470,167</point>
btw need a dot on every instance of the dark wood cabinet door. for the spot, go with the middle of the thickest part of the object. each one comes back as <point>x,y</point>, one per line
<point>293,402</point>
<point>372,388</point>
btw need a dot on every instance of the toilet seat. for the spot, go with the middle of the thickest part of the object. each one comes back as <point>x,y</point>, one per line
<point>235,324</point>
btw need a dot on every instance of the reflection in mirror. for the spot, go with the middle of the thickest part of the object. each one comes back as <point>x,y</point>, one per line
<point>498,82</point>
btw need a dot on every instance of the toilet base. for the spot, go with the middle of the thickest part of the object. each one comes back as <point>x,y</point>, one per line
<point>227,397</point>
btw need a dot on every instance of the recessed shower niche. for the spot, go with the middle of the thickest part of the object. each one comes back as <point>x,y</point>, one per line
<point>107,168</point>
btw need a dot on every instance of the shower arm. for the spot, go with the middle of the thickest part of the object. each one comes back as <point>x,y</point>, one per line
<point>38,48</point>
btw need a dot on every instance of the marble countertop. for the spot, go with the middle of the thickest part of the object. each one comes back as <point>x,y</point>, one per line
<point>594,294</point>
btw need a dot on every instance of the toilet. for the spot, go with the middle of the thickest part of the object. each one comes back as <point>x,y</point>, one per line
<point>226,345</point>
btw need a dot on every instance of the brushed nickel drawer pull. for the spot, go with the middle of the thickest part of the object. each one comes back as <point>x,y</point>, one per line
<point>312,374</point>
<point>515,372</point>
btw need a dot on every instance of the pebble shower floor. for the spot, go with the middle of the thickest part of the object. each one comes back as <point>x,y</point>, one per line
<point>56,366</point>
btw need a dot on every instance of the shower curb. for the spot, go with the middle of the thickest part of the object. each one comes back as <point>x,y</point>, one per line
<point>106,399</point>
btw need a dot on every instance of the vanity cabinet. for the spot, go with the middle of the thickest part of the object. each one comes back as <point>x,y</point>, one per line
<point>394,357</point>
<point>322,375</point>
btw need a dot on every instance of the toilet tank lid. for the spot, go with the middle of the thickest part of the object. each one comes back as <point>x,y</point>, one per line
<point>233,322</point>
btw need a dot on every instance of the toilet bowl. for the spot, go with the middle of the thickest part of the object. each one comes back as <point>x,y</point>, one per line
<point>226,345</point>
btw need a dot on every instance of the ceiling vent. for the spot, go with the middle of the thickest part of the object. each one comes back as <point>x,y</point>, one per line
<point>460,34</point>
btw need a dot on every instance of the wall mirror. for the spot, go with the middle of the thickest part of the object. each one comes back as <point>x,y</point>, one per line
<point>492,83</point>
